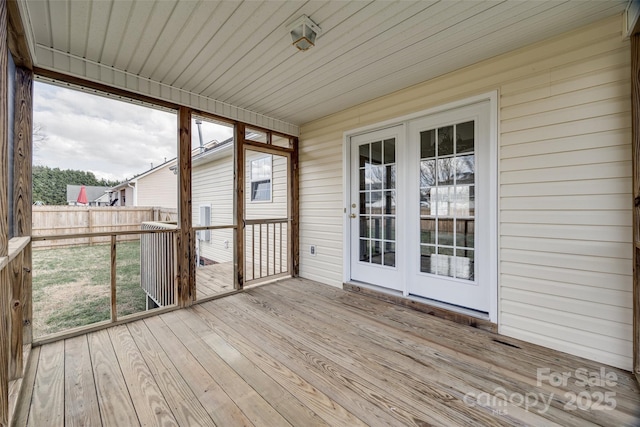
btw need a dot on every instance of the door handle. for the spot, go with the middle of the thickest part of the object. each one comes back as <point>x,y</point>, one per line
<point>352,215</point>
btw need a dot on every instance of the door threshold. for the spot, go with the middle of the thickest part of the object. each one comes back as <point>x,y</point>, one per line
<point>439,309</point>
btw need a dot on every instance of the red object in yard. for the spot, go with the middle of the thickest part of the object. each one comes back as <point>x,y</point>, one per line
<point>82,196</point>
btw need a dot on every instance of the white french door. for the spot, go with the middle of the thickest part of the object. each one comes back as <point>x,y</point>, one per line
<point>374,211</point>
<point>422,211</point>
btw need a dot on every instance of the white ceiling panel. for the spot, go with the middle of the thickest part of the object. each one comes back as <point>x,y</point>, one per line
<point>237,57</point>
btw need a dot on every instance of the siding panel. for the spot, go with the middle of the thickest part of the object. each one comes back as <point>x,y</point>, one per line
<point>565,203</point>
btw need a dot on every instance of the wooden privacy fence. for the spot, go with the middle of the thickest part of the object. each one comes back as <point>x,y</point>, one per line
<point>81,220</point>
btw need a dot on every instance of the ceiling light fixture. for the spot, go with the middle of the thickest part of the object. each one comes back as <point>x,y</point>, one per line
<point>304,32</point>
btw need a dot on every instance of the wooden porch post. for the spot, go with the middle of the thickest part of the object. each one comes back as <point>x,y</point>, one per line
<point>239,171</point>
<point>4,221</point>
<point>635,126</point>
<point>186,262</point>
<point>295,212</point>
<point>21,292</point>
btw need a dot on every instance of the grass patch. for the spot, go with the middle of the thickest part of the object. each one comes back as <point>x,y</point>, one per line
<point>71,286</point>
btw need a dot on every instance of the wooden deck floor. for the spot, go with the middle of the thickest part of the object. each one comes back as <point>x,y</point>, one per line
<point>303,354</point>
<point>214,279</point>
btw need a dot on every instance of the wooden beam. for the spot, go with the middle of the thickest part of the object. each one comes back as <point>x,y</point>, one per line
<point>635,132</point>
<point>266,148</point>
<point>186,262</point>
<point>17,37</point>
<point>295,211</point>
<point>22,192</point>
<point>239,172</point>
<point>4,220</point>
<point>79,82</point>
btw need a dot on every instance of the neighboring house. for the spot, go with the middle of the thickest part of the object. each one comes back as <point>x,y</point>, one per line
<point>156,187</point>
<point>122,194</point>
<point>96,195</point>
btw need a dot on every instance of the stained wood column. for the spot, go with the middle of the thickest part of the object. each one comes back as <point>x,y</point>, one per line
<point>186,267</point>
<point>4,221</point>
<point>295,212</point>
<point>635,126</point>
<point>239,173</point>
<point>20,276</point>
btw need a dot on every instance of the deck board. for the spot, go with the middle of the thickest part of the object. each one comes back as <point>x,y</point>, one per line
<point>148,400</point>
<point>47,404</point>
<point>248,400</point>
<point>220,407</point>
<point>338,366</point>
<point>81,401</point>
<point>299,353</point>
<point>183,402</point>
<point>114,400</point>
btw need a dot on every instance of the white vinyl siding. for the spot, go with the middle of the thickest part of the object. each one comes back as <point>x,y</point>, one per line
<point>158,189</point>
<point>212,185</point>
<point>564,246</point>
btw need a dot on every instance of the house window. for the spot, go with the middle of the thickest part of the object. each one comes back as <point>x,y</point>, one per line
<point>261,179</point>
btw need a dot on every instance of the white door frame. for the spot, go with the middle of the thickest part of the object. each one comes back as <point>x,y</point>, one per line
<point>492,97</point>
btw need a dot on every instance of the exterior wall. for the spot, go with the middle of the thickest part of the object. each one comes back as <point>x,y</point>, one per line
<point>128,196</point>
<point>564,187</point>
<point>212,184</point>
<point>159,189</point>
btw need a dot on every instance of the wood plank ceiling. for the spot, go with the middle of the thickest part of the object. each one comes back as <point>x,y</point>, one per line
<point>239,53</point>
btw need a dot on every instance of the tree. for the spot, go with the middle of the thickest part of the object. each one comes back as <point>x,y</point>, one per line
<point>50,185</point>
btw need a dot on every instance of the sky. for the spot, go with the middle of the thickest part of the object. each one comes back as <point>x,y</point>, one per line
<point>113,139</point>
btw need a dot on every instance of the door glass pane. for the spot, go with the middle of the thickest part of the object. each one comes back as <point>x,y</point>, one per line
<point>446,262</point>
<point>390,228</point>
<point>447,200</point>
<point>376,153</point>
<point>390,254</point>
<point>445,232</point>
<point>465,169</point>
<point>377,198</point>
<point>390,177</point>
<point>446,171</point>
<point>464,264</point>
<point>427,173</point>
<point>445,141</point>
<point>376,252</point>
<point>364,155</point>
<point>428,144</point>
<point>389,151</point>
<point>364,227</point>
<point>465,137</point>
<point>465,237</point>
<point>428,231</point>
<point>390,202</point>
<point>376,227</point>
<point>364,250</point>
<point>427,259</point>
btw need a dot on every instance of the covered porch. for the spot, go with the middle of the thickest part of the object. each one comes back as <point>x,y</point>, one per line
<point>474,160</point>
<point>297,352</point>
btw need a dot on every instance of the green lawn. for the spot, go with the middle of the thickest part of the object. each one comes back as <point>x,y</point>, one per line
<point>71,285</point>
